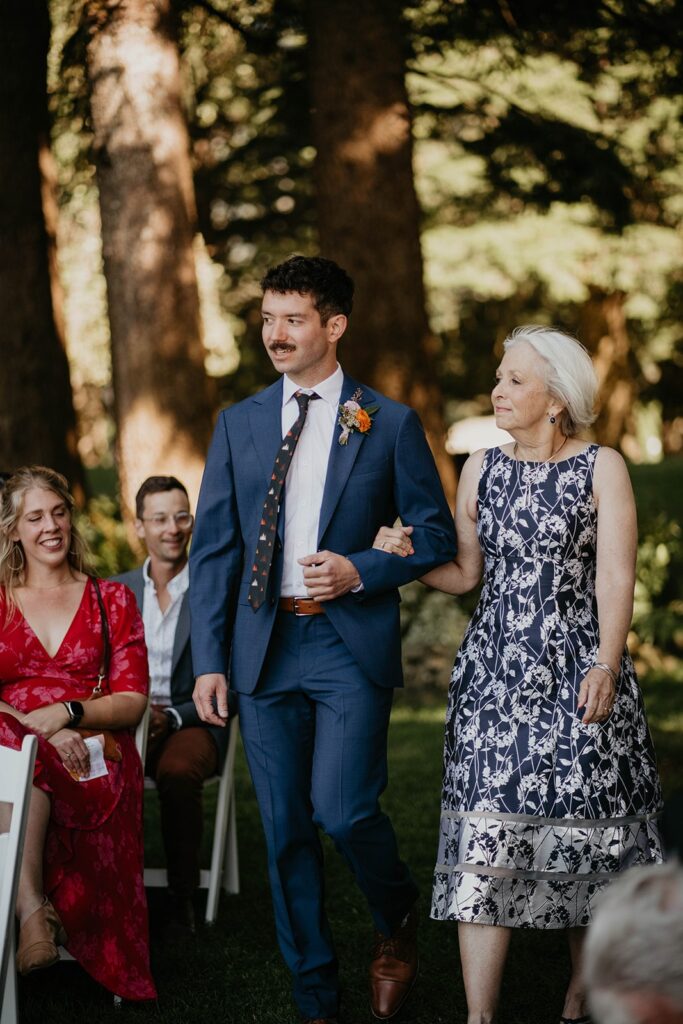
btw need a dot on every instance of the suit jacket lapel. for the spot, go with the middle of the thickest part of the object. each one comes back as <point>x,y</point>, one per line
<point>182,633</point>
<point>265,419</point>
<point>342,458</point>
<point>137,585</point>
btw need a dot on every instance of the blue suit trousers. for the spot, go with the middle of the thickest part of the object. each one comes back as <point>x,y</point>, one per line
<point>315,737</point>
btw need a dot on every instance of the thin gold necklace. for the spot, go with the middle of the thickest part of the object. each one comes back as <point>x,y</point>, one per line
<point>533,472</point>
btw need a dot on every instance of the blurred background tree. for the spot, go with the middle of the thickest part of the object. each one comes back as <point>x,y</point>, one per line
<point>367,210</point>
<point>37,420</point>
<point>162,396</point>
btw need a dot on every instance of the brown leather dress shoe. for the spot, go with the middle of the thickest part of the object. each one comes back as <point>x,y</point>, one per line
<point>39,936</point>
<point>393,969</point>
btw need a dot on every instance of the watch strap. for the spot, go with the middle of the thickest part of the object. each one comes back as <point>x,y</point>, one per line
<point>174,719</point>
<point>75,712</point>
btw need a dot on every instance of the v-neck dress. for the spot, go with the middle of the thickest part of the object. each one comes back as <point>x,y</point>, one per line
<point>539,811</point>
<point>93,853</point>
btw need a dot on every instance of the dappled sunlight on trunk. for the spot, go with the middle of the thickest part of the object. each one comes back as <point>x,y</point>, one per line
<point>368,214</point>
<point>164,400</point>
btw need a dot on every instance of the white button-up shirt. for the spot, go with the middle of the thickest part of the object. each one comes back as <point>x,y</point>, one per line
<point>305,481</point>
<point>160,630</point>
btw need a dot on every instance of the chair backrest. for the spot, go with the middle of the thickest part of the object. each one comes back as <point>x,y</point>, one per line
<point>141,734</point>
<point>16,777</point>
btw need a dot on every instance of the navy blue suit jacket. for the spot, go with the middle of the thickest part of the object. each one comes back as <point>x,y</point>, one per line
<point>387,472</point>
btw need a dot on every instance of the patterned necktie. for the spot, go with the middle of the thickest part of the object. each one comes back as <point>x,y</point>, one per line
<point>263,557</point>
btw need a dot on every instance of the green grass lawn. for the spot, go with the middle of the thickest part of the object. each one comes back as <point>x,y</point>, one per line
<point>232,973</point>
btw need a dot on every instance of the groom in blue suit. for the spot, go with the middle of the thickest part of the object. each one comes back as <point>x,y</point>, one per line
<point>295,611</point>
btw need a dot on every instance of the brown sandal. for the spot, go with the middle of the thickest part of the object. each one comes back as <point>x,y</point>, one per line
<point>39,936</point>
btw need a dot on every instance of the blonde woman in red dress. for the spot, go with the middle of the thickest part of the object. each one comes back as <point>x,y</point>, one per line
<point>81,881</point>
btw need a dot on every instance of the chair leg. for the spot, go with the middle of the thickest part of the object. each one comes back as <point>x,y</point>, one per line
<point>231,866</point>
<point>10,1010</point>
<point>218,848</point>
<point>225,820</point>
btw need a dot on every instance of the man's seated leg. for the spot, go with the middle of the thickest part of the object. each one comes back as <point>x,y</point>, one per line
<point>180,765</point>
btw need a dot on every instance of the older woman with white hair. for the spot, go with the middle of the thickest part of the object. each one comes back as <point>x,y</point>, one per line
<point>550,783</point>
<point>634,951</point>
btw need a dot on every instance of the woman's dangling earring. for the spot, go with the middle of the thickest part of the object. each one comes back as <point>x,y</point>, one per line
<point>11,561</point>
<point>552,419</point>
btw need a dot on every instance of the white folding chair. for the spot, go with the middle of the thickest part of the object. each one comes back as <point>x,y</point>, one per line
<point>224,855</point>
<point>16,777</point>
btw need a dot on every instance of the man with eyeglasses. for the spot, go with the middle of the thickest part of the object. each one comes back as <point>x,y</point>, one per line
<point>182,751</point>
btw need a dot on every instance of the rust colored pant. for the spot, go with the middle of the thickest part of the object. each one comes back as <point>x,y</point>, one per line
<point>179,764</point>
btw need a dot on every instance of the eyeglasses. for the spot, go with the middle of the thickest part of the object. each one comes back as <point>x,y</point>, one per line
<point>183,520</point>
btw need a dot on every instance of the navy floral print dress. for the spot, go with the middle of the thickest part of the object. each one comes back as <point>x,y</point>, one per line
<point>539,812</point>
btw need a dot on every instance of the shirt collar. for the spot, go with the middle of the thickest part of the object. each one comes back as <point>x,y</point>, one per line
<point>177,586</point>
<point>329,390</point>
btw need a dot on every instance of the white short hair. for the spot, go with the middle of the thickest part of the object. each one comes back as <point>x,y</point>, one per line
<point>635,942</point>
<point>570,376</point>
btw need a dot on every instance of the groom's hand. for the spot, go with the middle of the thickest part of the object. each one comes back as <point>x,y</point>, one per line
<point>208,688</point>
<point>327,575</point>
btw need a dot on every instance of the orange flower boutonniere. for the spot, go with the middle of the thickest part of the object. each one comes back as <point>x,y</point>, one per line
<point>353,416</point>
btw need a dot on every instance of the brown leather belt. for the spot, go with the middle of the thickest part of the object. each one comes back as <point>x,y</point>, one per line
<point>300,606</point>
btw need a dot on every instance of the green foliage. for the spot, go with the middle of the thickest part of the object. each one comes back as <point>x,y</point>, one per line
<point>101,526</point>
<point>547,162</point>
<point>658,606</point>
<point>548,148</point>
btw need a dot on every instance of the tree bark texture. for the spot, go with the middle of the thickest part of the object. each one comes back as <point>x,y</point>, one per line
<point>37,419</point>
<point>163,399</point>
<point>604,332</point>
<point>368,214</point>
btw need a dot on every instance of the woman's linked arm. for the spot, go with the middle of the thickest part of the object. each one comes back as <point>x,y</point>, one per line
<point>614,580</point>
<point>464,572</point>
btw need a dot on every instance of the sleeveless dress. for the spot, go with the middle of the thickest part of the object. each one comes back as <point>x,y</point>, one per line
<point>93,863</point>
<point>539,812</point>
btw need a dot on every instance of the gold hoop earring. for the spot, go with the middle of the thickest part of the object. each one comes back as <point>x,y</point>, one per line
<point>11,562</point>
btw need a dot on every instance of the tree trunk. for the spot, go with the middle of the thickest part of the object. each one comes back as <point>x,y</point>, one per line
<point>604,332</point>
<point>368,214</point>
<point>37,420</point>
<point>163,399</point>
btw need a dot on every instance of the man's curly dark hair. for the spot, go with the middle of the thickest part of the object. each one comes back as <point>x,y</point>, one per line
<point>330,287</point>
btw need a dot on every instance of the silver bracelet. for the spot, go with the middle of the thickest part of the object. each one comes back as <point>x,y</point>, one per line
<point>605,668</point>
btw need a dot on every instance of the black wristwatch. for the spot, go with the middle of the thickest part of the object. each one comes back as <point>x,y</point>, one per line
<point>174,719</point>
<point>75,711</point>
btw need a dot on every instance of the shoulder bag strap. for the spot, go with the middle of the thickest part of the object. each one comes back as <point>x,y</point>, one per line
<point>106,641</point>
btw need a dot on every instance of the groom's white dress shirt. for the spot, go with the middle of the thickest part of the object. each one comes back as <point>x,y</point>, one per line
<point>306,477</point>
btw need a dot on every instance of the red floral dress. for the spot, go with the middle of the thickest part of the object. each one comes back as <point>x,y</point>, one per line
<point>93,853</point>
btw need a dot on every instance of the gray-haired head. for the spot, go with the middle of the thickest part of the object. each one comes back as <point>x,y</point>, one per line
<point>570,377</point>
<point>633,955</point>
